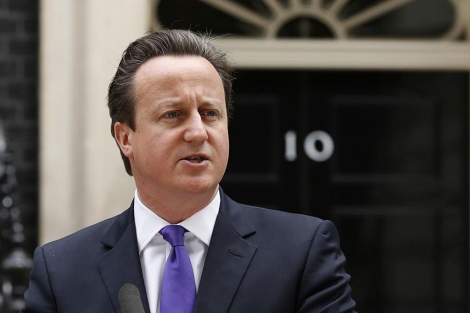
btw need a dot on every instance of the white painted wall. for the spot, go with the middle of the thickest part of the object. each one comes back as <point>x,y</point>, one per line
<point>82,178</point>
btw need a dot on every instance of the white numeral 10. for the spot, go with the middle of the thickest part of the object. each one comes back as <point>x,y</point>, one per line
<point>309,146</point>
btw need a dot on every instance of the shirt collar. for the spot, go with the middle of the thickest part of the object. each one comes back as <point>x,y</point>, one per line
<point>148,224</point>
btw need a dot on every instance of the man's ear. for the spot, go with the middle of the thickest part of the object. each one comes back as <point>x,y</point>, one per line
<point>123,134</point>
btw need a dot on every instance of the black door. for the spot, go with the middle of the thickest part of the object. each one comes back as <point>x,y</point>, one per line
<point>381,154</point>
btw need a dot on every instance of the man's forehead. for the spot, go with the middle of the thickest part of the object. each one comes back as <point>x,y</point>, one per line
<point>172,62</point>
<point>161,69</point>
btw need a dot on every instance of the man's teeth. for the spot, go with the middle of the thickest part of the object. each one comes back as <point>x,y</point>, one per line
<point>195,159</point>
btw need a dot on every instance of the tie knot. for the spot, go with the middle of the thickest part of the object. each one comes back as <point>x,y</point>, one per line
<point>174,234</point>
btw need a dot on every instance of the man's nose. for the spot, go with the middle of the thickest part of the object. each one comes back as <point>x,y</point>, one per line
<point>195,128</point>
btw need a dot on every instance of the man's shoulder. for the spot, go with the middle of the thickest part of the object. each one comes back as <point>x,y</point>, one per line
<point>272,220</point>
<point>275,214</point>
<point>281,218</point>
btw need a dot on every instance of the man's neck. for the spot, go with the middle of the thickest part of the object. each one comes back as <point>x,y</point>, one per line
<point>175,208</point>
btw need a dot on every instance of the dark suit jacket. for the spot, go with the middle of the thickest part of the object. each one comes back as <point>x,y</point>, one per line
<point>258,261</point>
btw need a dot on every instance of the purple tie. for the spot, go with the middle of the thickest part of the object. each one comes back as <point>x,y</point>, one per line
<point>178,286</point>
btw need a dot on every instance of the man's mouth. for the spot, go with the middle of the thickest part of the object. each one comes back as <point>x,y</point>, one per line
<point>196,159</point>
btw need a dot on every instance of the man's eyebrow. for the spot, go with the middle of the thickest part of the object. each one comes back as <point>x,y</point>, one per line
<point>168,102</point>
<point>213,103</point>
<point>176,102</point>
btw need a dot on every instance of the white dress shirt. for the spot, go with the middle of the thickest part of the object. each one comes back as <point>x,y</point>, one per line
<point>154,250</point>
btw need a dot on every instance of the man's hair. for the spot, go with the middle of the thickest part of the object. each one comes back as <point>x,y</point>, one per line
<point>121,91</point>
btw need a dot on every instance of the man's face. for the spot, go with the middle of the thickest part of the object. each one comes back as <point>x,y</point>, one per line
<point>180,144</point>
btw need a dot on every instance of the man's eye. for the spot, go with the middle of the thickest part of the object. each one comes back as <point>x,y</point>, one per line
<point>170,114</point>
<point>211,113</point>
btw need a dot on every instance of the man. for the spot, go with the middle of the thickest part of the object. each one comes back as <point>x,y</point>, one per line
<point>170,102</point>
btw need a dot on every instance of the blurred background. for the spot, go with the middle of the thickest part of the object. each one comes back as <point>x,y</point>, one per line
<point>350,110</point>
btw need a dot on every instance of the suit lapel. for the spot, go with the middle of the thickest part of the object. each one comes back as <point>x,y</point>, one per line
<point>227,260</point>
<point>121,264</point>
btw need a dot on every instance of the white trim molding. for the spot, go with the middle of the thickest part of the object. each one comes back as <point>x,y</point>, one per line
<point>347,54</point>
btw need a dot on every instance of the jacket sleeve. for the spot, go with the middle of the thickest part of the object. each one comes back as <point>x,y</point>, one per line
<point>39,296</point>
<point>325,284</point>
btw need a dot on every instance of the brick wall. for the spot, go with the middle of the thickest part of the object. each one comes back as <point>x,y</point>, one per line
<point>19,103</point>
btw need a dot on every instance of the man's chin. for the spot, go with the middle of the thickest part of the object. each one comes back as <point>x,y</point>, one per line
<point>200,187</point>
